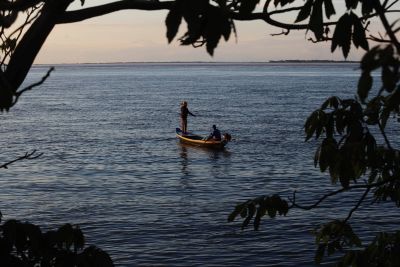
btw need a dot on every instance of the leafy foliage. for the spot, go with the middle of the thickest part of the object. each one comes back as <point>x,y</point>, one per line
<point>24,244</point>
<point>248,6</point>
<point>349,149</point>
<point>346,159</point>
<point>259,207</point>
<point>349,27</point>
<point>332,237</point>
<point>384,250</point>
<point>206,24</point>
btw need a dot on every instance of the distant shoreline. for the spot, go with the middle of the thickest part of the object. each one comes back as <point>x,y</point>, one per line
<point>312,61</point>
<point>291,61</point>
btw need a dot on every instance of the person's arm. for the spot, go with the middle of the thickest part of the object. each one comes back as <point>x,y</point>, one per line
<point>191,113</point>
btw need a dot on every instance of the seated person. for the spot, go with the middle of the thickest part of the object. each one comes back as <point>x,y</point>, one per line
<point>215,135</point>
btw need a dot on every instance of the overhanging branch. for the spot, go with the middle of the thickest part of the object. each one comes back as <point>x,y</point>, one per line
<point>18,5</point>
<point>91,12</point>
<point>368,187</point>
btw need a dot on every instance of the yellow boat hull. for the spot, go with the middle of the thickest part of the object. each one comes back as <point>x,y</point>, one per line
<point>197,140</point>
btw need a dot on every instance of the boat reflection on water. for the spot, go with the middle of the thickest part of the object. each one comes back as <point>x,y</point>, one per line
<point>188,153</point>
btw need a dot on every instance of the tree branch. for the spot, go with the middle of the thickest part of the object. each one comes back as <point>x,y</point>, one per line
<point>28,156</point>
<point>357,205</point>
<point>281,33</point>
<point>91,12</point>
<point>384,135</point>
<point>315,205</point>
<point>381,13</point>
<point>389,6</point>
<point>288,26</point>
<point>30,87</point>
<point>378,40</point>
<point>32,41</point>
<point>18,5</point>
<point>364,186</point>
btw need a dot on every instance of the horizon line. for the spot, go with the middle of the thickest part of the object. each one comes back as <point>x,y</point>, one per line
<point>207,62</point>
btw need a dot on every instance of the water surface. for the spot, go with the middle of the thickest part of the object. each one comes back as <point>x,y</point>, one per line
<point>112,163</point>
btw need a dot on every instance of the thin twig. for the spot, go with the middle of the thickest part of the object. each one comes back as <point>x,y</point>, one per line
<point>28,156</point>
<point>315,205</point>
<point>30,87</point>
<point>284,32</point>
<point>384,135</point>
<point>378,40</point>
<point>357,205</point>
<point>381,13</point>
<point>392,4</point>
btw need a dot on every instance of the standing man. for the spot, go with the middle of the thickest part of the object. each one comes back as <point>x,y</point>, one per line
<point>184,114</point>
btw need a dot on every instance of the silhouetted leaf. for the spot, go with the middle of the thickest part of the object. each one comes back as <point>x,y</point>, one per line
<point>282,2</point>
<point>316,156</point>
<point>79,239</point>
<point>247,6</point>
<point>305,11</point>
<point>372,110</point>
<point>359,38</point>
<point>235,213</point>
<point>328,153</point>
<point>251,211</point>
<point>213,31</point>
<point>65,236</point>
<point>329,8</point>
<point>271,212</point>
<point>21,240</point>
<point>351,4</point>
<point>226,27</point>
<point>9,44</point>
<point>330,125</point>
<point>364,86</point>
<point>346,174</point>
<point>320,126</point>
<point>342,35</point>
<point>94,256</point>
<point>260,213</point>
<point>387,56</point>
<point>194,13</point>
<point>311,125</point>
<point>8,20</point>
<point>316,20</point>
<point>334,171</point>
<point>34,235</point>
<point>243,213</point>
<point>371,60</point>
<point>367,7</point>
<point>319,254</point>
<point>332,102</point>
<point>389,79</point>
<point>173,21</point>
<point>10,230</point>
<point>392,102</point>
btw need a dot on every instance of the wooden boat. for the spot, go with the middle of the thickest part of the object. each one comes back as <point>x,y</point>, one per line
<point>197,140</point>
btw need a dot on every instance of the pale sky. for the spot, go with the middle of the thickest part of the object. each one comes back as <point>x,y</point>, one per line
<point>136,36</point>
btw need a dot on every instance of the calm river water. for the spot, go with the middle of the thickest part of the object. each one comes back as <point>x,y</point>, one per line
<point>112,163</point>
